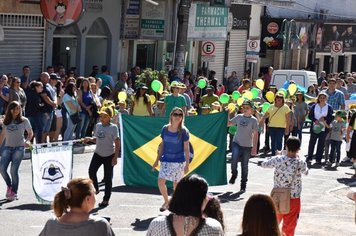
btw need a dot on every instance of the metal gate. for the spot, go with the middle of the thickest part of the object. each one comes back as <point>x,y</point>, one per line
<point>218,64</point>
<point>237,52</point>
<point>23,43</point>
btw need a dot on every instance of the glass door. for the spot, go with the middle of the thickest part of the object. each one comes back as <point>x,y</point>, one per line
<point>146,55</point>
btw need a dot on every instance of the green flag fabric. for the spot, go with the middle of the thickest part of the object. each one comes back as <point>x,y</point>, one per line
<point>141,137</point>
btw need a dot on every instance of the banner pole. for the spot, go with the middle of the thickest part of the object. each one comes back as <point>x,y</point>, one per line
<point>60,142</point>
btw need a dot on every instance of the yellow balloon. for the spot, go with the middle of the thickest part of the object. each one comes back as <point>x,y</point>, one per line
<point>248,95</point>
<point>231,107</point>
<point>160,91</point>
<point>153,99</point>
<point>270,96</point>
<point>260,84</point>
<point>122,96</point>
<point>240,101</point>
<point>292,88</point>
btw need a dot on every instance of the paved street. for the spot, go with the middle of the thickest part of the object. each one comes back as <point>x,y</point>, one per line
<point>325,208</point>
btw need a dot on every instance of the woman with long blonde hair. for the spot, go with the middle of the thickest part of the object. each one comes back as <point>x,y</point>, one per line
<point>173,153</point>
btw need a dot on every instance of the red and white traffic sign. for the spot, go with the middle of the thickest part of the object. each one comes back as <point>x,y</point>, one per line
<point>253,45</point>
<point>208,49</point>
<point>336,48</point>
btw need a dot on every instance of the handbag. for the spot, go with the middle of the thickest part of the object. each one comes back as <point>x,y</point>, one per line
<point>75,118</point>
<point>281,197</point>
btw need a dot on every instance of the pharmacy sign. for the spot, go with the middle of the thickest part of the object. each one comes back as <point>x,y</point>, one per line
<point>206,22</point>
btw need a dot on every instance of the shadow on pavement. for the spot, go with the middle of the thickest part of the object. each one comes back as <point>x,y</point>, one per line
<point>3,201</point>
<point>31,207</point>
<point>230,197</point>
<point>351,182</point>
<point>141,190</point>
<point>141,225</point>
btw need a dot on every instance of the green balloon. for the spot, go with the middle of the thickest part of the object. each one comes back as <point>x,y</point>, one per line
<point>156,85</point>
<point>232,130</point>
<point>236,95</point>
<point>265,106</point>
<point>284,91</point>
<point>318,128</point>
<point>255,93</point>
<point>224,98</point>
<point>202,83</point>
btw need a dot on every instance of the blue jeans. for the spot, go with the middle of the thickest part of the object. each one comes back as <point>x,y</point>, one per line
<point>15,156</point>
<point>243,155</point>
<point>82,126</point>
<point>277,135</point>
<point>46,121</point>
<point>335,150</point>
<point>68,134</point>
<point>320,148</point>
<point>36,126</point>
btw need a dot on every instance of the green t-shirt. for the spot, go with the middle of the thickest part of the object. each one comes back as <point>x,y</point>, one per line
<point>172,101</point>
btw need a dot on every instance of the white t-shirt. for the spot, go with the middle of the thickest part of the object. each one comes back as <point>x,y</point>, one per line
<point>320,112</point>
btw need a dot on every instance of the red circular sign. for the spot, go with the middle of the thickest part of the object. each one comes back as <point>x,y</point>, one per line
<point>61,12</point>
<point>208,48</point>
<point>336,46</point>
<point>253,44</point>
<point>272,28</point>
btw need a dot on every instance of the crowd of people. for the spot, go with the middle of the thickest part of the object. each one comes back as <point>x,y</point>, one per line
<point>60,107</point>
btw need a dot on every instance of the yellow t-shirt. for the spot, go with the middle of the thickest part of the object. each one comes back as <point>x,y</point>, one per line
<point>277,119</point>
<point>140,108</point>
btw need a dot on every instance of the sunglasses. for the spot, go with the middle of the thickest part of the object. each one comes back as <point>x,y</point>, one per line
<point>177,114</point>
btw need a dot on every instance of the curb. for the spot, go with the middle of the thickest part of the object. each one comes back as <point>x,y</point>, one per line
<point>76,150</point>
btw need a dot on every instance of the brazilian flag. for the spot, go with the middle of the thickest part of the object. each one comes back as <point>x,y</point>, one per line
<point>141,136</point>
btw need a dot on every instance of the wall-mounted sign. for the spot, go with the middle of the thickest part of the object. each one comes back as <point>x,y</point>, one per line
<point>241,16</point>
<point>327,33</point>
<point>153,19</point>
<point>132,20</point>
<point>206,22</point>
<point>94,5</point>
<point>61,12</point>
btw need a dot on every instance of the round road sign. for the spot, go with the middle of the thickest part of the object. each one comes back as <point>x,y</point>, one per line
<point>336,47</point>
<point>253,44</point>
<point>208,48</point>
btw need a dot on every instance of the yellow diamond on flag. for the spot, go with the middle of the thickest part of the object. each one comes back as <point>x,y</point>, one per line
<point>202,150</point>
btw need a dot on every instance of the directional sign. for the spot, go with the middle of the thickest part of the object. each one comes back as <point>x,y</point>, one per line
<point>336,48</point>
<point>208,48</point>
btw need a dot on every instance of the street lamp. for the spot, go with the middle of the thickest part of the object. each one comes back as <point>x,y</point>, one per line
<point>67,54</point>
<point>290,38</point>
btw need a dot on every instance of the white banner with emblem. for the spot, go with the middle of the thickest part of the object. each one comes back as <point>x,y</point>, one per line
<point>52,168</point>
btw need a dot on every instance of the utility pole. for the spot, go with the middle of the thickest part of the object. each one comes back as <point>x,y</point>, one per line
<point>182,35</point>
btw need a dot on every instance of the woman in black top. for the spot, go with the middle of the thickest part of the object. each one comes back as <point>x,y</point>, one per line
<point>33,106</point>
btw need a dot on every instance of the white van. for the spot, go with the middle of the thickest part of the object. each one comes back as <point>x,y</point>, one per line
<point>302,77</point>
